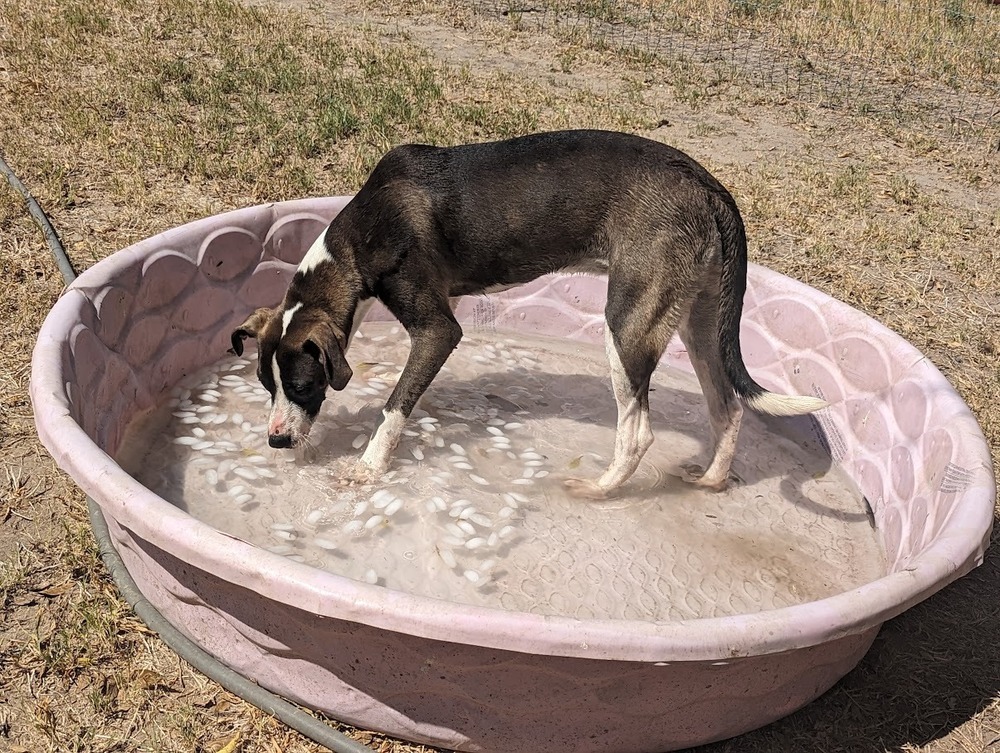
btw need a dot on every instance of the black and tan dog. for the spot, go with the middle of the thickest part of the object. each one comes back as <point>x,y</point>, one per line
<point>431,224</point>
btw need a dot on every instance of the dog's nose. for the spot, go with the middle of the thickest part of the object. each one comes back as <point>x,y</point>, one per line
<point>279,441</point>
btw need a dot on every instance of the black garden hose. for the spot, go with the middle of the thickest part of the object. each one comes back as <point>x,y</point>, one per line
<point>292,715</point>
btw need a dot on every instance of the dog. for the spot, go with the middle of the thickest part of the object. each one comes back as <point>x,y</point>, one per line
<point>432,224</point>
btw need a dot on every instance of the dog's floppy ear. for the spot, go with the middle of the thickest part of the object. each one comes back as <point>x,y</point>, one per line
<point>251,328</point>
<point>325,343</point>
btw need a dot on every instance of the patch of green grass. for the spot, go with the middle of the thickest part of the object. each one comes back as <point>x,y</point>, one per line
<point>14,572</point>
<point>903,190</point>
<point>218,91</point>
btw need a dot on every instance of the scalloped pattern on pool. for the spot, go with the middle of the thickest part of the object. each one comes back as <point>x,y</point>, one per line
<point>473,508</point>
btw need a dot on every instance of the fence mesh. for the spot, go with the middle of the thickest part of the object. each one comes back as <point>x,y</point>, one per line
<point>945,80</point>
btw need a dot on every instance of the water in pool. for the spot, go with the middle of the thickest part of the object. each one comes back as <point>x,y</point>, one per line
<point>473,508</point>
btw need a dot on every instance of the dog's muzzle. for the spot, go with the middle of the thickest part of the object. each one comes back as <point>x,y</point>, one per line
<point>279,441</point>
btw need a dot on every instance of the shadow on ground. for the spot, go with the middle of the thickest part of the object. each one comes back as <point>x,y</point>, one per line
<point>929,671</point>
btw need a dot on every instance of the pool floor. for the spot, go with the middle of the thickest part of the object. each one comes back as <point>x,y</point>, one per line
<point>473,509</point>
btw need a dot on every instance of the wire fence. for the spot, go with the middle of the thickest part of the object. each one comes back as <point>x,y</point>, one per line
<point>734,43</point>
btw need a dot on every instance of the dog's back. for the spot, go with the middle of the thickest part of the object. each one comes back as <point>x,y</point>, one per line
<point>506,212</point>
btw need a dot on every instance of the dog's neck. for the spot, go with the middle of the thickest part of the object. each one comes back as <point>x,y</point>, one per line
<point>333,286</point>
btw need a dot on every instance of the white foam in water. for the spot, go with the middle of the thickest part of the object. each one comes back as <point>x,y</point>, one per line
<point>473,508</point>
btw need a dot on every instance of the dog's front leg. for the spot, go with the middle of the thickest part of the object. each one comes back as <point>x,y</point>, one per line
<point>431,342</point>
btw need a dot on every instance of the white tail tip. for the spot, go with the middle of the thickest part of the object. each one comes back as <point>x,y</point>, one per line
<point>784,405</point>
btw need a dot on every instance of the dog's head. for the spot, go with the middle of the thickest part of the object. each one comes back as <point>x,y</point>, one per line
<point>300,352</point>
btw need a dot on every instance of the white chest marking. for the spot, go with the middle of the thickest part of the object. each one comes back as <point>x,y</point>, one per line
<point>279,393</point>
<point>316,255</point>
<point>286,318</point>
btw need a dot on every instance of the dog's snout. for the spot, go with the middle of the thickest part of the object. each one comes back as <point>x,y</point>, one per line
<point>279,441</point>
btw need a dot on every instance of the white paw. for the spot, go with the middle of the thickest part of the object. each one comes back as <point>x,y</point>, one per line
<point>362,473</point>
<point>694,474</point>
<point>585,488</point>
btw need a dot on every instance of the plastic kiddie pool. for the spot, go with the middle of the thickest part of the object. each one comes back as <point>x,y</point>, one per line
<point>470,677</point>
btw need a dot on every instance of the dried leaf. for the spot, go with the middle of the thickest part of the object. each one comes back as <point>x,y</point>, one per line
<point>204,698</point>
<point>24,600</point>
<point>59,590</point>
<point>231,745</point>
<point>149,679</point>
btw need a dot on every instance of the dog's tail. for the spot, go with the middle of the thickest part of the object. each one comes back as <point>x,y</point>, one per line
<point>732,290</point>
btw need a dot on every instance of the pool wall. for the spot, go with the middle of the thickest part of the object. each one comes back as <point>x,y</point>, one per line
<point>473,678</point>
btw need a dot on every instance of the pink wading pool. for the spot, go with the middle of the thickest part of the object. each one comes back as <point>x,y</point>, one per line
<point>514,618</point>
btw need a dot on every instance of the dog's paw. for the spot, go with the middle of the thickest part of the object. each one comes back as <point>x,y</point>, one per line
<point>694,474</point>
<point>360,474</point>
<point>585,488</point>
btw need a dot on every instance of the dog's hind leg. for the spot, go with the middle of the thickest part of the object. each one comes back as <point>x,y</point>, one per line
<point>699,331</point>
<point>636,335</point>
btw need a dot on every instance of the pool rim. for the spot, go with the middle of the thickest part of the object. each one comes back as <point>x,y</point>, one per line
<point>958,549</point>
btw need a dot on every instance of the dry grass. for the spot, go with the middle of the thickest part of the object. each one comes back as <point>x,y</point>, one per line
<point>916,66</point>
<point>953,42</point>
<point>127,117</point>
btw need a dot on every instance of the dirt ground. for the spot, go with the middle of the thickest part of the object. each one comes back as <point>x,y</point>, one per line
<point>900,218</point>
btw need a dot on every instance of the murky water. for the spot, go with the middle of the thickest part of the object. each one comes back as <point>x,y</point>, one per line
<point>473,508</point>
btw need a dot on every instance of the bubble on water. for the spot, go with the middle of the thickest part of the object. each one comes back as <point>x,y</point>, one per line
<point>353,526</point>
<point>250,474</point>
<point>481,519</point>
